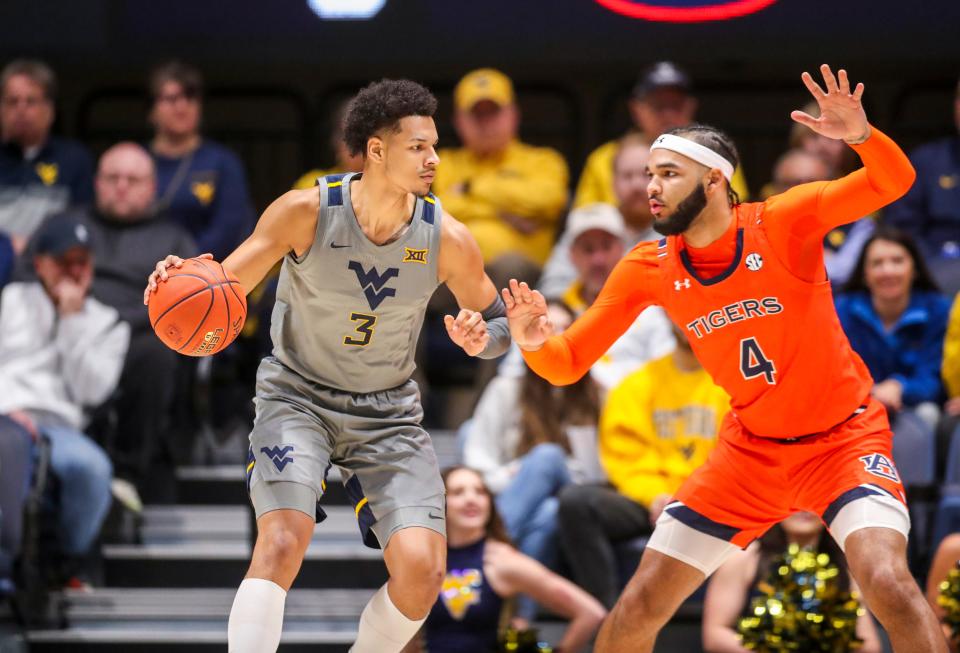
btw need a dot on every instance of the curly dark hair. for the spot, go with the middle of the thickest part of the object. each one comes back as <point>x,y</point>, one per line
<point>716,140</point>
<point>381,105</point>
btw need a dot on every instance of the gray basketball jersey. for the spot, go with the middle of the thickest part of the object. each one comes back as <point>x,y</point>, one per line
<point>349,312</point>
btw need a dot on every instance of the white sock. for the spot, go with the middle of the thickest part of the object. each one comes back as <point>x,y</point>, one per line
<point>383,628</point>
<point>256,619</point>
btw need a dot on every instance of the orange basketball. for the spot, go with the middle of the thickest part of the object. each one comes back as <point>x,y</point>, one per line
<point>199,309</point>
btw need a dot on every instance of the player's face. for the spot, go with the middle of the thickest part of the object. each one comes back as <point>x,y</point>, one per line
<point>594,254</point>
<point>630,185</point>
<point>662,110</point>
<point>125,183</point>
<point>410,155</point>
<point>175,112</point>
<point>487,128</point>
<point>802,525</point>
<point>468,504</point>
<point>888,270</point>
<point>25,112</point>
<point>676,190</point>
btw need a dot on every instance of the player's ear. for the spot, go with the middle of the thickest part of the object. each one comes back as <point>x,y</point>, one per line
<point>714,179</point>
<point>375,149</point>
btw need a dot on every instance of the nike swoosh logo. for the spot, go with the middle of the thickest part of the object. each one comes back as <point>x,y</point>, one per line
<point>433,516</point>
<point>336,246</point>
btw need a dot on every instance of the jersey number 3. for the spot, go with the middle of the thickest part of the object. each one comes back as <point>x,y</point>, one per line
<point>364,328</point>
<point>754,363</point>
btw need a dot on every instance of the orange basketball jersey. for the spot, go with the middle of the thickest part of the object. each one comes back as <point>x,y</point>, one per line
<point>770,339</point>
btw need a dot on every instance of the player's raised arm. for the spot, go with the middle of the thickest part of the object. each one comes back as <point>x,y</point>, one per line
<point>814,209</point>
<point>480,327</point>
<point>563,359</point>
<point>288,225</point>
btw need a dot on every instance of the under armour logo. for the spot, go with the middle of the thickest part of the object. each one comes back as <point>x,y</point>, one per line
<point>754,262</point>
<point>278,456</point>
<point>681,284</point>
<point>373,283</point>
<point>879,465</point>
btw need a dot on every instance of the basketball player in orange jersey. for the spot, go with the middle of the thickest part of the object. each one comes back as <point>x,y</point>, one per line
<point>362,253</point>
<point>747,283</point>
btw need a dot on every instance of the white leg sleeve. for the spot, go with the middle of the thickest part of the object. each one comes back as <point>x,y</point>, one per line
<point>383,628</point>
<point>256,619</point>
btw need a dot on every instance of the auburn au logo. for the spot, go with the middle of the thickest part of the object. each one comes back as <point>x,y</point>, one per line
<point>411,255</point>
<point>680,11</point>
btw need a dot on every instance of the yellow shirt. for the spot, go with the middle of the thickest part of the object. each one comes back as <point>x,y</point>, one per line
<point>951,352</point>
<point>525,181</point>
<point>658,426</point>
<point>596,180</point>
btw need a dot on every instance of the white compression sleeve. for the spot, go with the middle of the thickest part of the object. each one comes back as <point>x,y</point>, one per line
<point>256,619</point>
<point>383,628</point>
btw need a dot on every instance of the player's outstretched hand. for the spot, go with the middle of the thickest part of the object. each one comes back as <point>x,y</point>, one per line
<point>526,315</point>
<point>841,112</point>
<point>468,330</point>
<point>160,272</point>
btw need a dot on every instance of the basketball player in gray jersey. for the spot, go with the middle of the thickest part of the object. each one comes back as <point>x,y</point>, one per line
<point>361,255</point>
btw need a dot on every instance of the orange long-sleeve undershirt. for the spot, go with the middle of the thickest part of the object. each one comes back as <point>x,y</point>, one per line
<point>795,222</point>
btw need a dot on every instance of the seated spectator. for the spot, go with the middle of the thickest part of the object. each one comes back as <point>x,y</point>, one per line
<point>951,361</point>
<point>509,194</point>
<point>529,439</point>
<point>658,425</point>
<point>201,184</point>
<point>896,318</point>
<point>630,187</point>
<point>661,100</point>
<point>61,352</point>
<point>840,159</point>
<point>127,237</point>
<point>40,174</point>
<point>930,211</point>
<point>946,559</point>
<point>842,245</point>
<point>484,571</point>
<point>345,160</point>
<point>738,580</point>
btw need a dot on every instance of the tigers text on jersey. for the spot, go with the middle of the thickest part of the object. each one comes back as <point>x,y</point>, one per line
<point>348,311</point>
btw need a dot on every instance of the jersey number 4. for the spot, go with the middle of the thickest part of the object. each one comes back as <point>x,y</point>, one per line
<point>364,328</point>
<point>754,363</point>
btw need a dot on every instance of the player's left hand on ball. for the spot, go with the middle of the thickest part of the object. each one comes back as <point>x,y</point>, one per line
<point>468,330</point>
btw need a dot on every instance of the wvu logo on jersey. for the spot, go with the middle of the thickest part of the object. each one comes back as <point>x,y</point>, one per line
<point>374,284</point>
<point>278,455</point>
<point>411,255</point>
<point>460,590</point>
<point>879,465</point>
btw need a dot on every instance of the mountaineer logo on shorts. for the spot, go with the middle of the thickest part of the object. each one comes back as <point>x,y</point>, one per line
<point>879,465</point>
<point>279,455</point>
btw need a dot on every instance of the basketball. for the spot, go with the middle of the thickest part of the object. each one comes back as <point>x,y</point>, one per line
<point>199,309</point>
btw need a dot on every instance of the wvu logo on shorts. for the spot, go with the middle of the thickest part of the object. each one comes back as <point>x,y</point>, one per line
<point>411,255</point>
<point>879,465</point>
<point>374,283</point>
<point>460,590</point>
<point>279,455</point>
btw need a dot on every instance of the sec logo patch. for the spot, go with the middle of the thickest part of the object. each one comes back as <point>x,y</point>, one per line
<point>678,11</point>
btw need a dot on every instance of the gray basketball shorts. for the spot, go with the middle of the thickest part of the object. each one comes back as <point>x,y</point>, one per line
<point>386,458</point>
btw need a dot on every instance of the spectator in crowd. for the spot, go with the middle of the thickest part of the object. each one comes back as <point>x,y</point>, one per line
<point>529,439</point>
<point>896,318</point>
<point>484,571</point>
<point>840,160</point>
<point>661,100</point>
<point>658,425</point>
<point>841,246</point>
<point>951,361</point>
<point>200,183</point>
<point>61,352</point>
<point>509,194</point>
<point>40,174</point>
<point>345,161</point>
<point>930,211</point>
<point>945,559</point>
<point>126,237</point>
<point>630,189</point>
<point>738,580</point>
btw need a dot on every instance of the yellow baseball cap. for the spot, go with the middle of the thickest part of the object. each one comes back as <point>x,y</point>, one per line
<point>483,84</point>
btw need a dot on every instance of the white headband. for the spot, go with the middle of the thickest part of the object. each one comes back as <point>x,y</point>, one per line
<point>699,153</point>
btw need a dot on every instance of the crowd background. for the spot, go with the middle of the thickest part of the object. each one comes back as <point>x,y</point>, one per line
<point>152,131</point>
